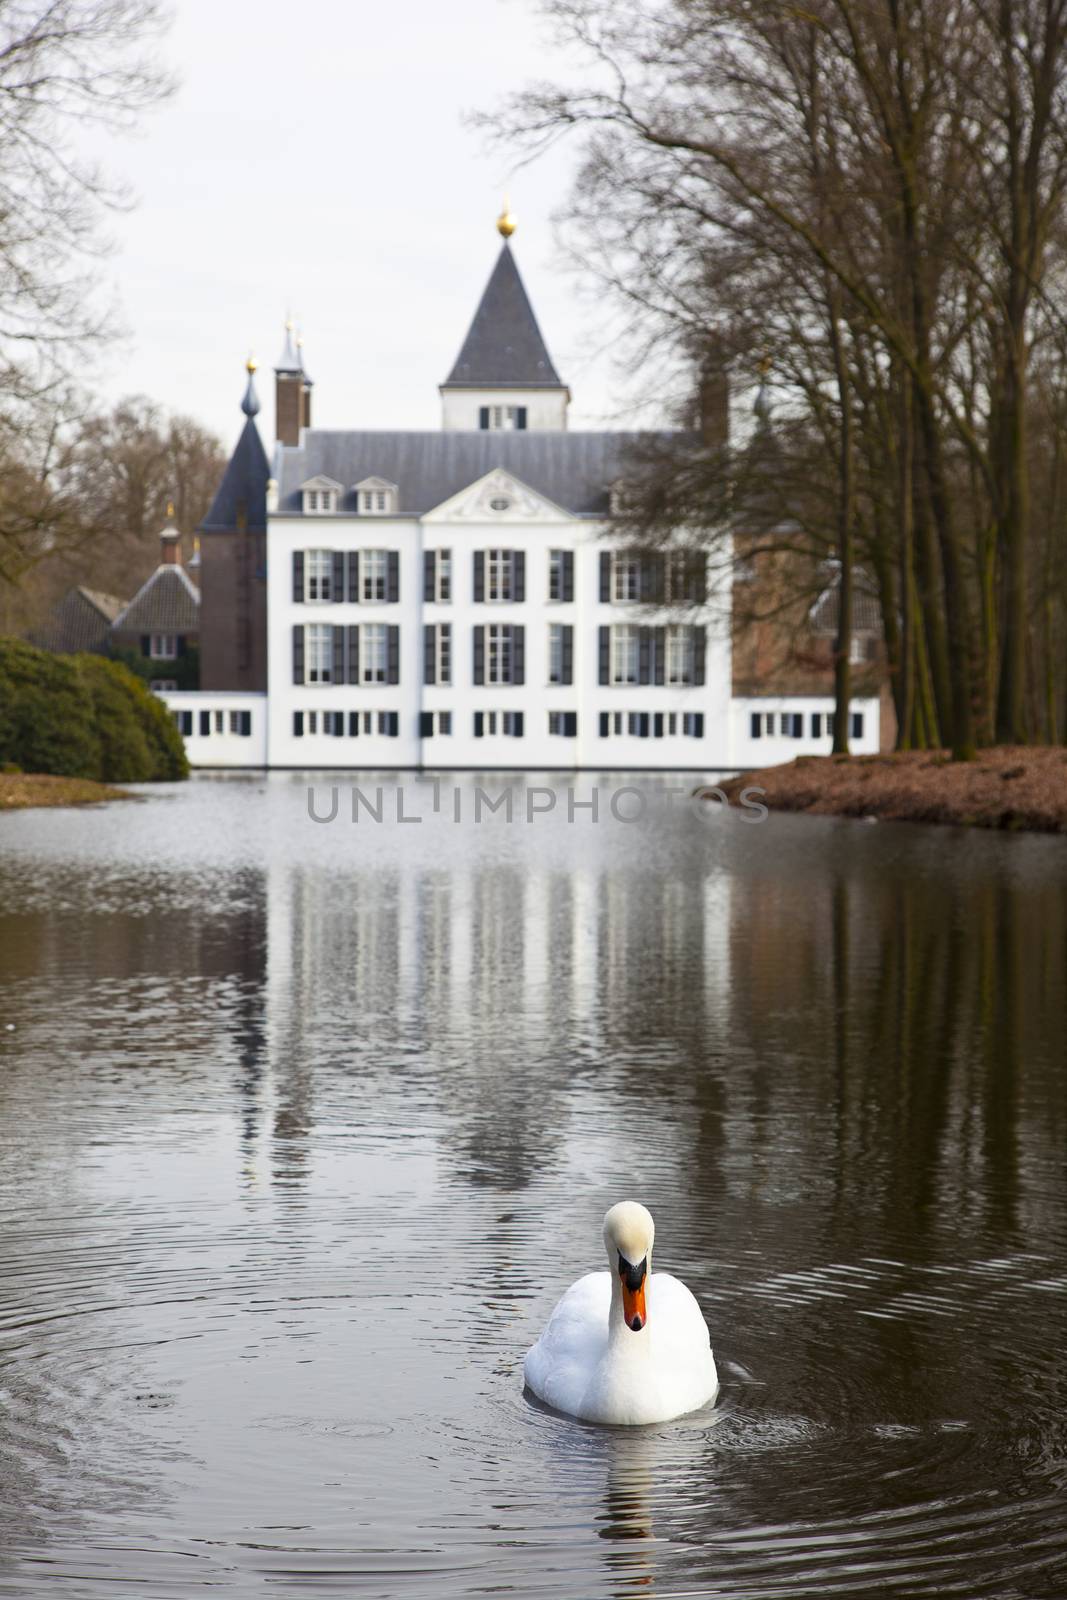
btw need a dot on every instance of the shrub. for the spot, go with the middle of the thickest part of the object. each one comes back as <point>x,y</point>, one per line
<point>83,717</point>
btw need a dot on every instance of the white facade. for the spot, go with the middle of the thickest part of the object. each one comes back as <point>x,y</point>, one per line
<point>224,729</point>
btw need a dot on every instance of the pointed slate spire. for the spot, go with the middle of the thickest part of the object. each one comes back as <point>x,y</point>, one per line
<point>250,403</point>
<point>241,498</point>
<point>289,361</point>
<point>504,348</point>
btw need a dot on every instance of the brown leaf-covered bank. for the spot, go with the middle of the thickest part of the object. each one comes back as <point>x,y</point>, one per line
<point>21,789</point>
<point>1006,787</point>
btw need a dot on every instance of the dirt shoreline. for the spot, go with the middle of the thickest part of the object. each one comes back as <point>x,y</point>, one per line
<point>1008,787</point>
<point>20,790</point>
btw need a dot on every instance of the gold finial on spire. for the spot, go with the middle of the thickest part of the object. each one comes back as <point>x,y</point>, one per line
<point>506,223</point>
<point>170,510</point>
<point>251,364</point>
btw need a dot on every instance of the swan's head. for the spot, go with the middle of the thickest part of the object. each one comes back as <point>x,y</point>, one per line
<point>628,1235</point>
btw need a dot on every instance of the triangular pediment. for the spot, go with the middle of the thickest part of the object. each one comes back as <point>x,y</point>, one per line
<point>321,482</point>
<point>498,497</point>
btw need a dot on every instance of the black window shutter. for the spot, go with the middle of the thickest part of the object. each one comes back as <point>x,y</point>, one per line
<point>392,587</point>
<point>755,726</point>
<point>205,724</point>
<point>353,724</point>
<point>568,654</point>
<point>429,574</point>
<point>446,634</point>
<point>659,655</point>
<point>182,644</point>
<point>657,725</point>
<point>298,574</point>
<point>605,575</point>
<point>246,723</point>
<point>698,724</point>
<point>520,416</point>
<point>603,724</point>
<point>479,575</point>
<point>605,655</point>
<point>644,655</point>
<point>478,722</point>
<point>394,724</point>
<point>146,644</point>
<point>568,574</point>
<point>518,655</point>
<point>298,724</point>
<point>429,664</point>
<point>700,645</point>
<point>518,567</point>
<point>518,724</point>
<point>393,647</point>
<point>483,417</point>
<point>353,653</point>
<point>698,579</point>
<point>479,655</point>
<point>650,579</point>
<point>338,655</point>
<point>570,724</point>
<point>425,724</point>
<point>353,575</point>
<point>298,653</point>
<point>643,725</point>
<point>337,586</point>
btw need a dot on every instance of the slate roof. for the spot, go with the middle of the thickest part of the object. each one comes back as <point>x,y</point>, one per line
<point>504,348</point>
<point>81,620</point>
<point>167,602</point>
<point>573,470</point>
<point>243,486</point>
<point>866,609</point>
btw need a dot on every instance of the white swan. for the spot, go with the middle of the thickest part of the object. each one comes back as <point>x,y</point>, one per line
<point>623,1346</point>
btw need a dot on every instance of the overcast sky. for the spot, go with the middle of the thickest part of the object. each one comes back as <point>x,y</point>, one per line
<point>315,158</point>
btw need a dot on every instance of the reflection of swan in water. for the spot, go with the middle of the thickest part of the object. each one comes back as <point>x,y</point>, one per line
<point>624,1346</point>
<point>626,1522</point>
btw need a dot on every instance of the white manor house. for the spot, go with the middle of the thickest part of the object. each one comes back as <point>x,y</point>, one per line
<point>454,599</point>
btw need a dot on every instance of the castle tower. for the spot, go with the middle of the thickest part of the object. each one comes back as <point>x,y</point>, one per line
<point>503,377</point>
<point>292,390</point>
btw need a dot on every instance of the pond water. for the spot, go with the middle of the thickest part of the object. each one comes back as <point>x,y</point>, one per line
<point>304,1127</point>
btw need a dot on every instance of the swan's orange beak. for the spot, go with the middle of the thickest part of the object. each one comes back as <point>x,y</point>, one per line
<point>633,1278</point>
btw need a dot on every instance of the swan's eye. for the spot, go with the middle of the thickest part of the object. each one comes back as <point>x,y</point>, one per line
<point>632,1276</point>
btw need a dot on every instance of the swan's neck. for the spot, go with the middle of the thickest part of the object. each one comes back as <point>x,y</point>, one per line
<point>623,1339</point>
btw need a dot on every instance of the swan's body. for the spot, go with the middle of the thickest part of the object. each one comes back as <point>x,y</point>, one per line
<point>624,1346</point>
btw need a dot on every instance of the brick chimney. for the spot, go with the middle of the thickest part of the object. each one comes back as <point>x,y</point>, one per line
<point>170,540</point>
<point>713,405</point>
<point>292,400</point>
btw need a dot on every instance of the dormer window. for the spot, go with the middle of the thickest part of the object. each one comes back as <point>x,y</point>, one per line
<point>320,496</point>
<point>496,419</point>
<point>376,497</point>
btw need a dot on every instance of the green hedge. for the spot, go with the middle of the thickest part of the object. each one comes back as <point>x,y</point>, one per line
<point>83,717</point>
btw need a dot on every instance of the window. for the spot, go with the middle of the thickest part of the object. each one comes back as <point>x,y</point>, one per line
<point>374,574</point>
<point>438,662</point>
<point>373,653</point>
<point>508,723</point>
<point>624,653</point>
<point>856,725</point>
<point>375,497</point>
<point>764,724</point>
<point>319,646</point>
<point>163,646</point>
<point>638,724</point>
<point>792,725</point>
<point>511,724</point>
<point>184,719</point>
<point>681,655</point>
<point>320,501</point>
<point>498,418</point>
<point>499,574</point>
<point>563,723</point>
<point>439,576</point>
<point>610,722</point>
<point>431,722</point>
<point>220,721</point>
<point>625,578</point>
<point>499,653</point>
<point>318,565</point>
<point>313,722</point>
<point>816,724</point>
<point>555,653</point>
<point>161,685</point>
<point>560,575</point>
<point>693,724</point>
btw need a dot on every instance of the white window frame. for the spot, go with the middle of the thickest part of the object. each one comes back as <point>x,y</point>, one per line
<point>442,653</point>
<point>373,575</point>
<point>625,578</point>
<point>162,685</point>
<point>681,654</point>
<point>163,647</point>
<point>320,502</point>
<point>503,419</point>
<point>318,575</point>
<point>373,652</point>
<point>318,653</point>
<point>499,653</point>
<point>499,574</point>
<point>442,576</point>
<point>625,653</point>
<point>555,652</point>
